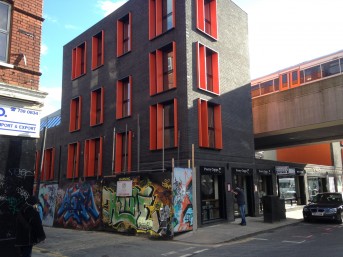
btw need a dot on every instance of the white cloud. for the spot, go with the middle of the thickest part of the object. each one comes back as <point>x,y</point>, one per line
<point>52,102</point>
<point>71,27</point>
<point>109,6</point>
<point>43,49</point>
<point>47,17</point>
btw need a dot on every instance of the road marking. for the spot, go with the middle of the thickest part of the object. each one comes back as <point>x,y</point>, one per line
<point>187,249</point>
<point>186,255</point>
<point>168,253</point>
<point>261,239</point>
<point>293,242</point>
<point>304,236</point>
<point>200,251</point>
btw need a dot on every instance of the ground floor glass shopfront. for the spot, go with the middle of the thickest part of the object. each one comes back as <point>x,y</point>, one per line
<point>212,193</point>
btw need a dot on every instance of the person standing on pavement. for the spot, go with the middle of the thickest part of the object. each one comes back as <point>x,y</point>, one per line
<point>29,228</point>
<point>240,196</point>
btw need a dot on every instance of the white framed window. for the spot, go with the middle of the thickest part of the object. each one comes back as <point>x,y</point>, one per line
<point>5,10</point>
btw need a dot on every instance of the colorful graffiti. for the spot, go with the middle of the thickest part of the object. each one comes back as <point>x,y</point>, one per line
<point>182,198</point>
<point>47,198</point>
<point>147,210</point>
<point>77,205</point>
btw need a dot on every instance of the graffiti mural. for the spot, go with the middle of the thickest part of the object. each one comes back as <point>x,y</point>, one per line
<point>182,198</point>
<point>15,187</point>
<point>147,210</point>
<point>78,205</point>
<point>47,198</point>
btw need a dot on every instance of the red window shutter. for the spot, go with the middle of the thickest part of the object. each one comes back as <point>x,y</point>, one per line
<point>199,123</point>
<point>129,151</point>
<point>120,39</point>
<point>153,127</point>
<point>93,109</point>
<point>158,9</point>
<point>86,158</point>
<point>176,130</point>
<point>200,14</point>
<point>77,165</point>
<point>91,159</point>
<point>152,19</point>
<point>80,111</point>
<point>203,123</point>
<point>95,43</point>
<point>174,64</point>
<point>218,127</point>
<point>119,153</point>
<point>43,169</point>
<point>215,70</point>
<point>73,64</point>
<point>102,105</point>
<point>52,169</point>
<point>119,102</point>
<point>152,64</point>
<point>78,62</point>
<point>130,28</point>
<point>159,70</point>
<point>214,30</point>
<point>45,165</point>
<point>130,81</point>
<point>201,51</point>
<point>70,161</point>
<point>102,47</point>
<point>85,59</point>
<point>100,156</point>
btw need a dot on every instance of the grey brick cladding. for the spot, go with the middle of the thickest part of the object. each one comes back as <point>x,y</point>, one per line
<point>232,46</point>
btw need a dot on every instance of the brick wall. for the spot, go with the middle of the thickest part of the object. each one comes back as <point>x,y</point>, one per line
<point>25,38</point>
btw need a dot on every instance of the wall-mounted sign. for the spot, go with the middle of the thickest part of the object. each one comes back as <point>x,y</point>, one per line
<point>124,188</point>
<point>291,171</point>
<point>246,171</point>
<point>265,171</point>
<point>299,171</point>
<point>212,170</point>
<point>280,170</point>
<point>16,121</point>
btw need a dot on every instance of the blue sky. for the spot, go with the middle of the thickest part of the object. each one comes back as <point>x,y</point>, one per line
<point>282,33</point>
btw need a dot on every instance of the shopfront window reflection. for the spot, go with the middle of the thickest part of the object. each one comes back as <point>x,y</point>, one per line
<point>210,197</point>
<point>287,188</point>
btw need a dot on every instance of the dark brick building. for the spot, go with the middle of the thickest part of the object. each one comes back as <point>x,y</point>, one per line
<point>148,82</point>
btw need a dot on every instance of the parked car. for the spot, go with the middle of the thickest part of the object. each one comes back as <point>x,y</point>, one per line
<point>324,206</point>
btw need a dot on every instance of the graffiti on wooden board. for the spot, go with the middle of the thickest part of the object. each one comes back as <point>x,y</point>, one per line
<point>182,198</point>
<point>147,210</point>
<point>47,197</point>
<point>78,205</point>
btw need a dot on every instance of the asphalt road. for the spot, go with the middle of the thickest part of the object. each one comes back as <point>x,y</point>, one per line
<point>303,239</point>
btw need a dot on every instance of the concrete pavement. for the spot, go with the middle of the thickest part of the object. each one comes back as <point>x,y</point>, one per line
<point>226,232</point>
<point>209,235</point>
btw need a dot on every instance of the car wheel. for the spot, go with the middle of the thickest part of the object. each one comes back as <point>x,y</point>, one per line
<point>306,219</point>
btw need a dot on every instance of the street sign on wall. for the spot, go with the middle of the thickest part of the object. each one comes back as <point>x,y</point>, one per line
<point>15,121</point>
